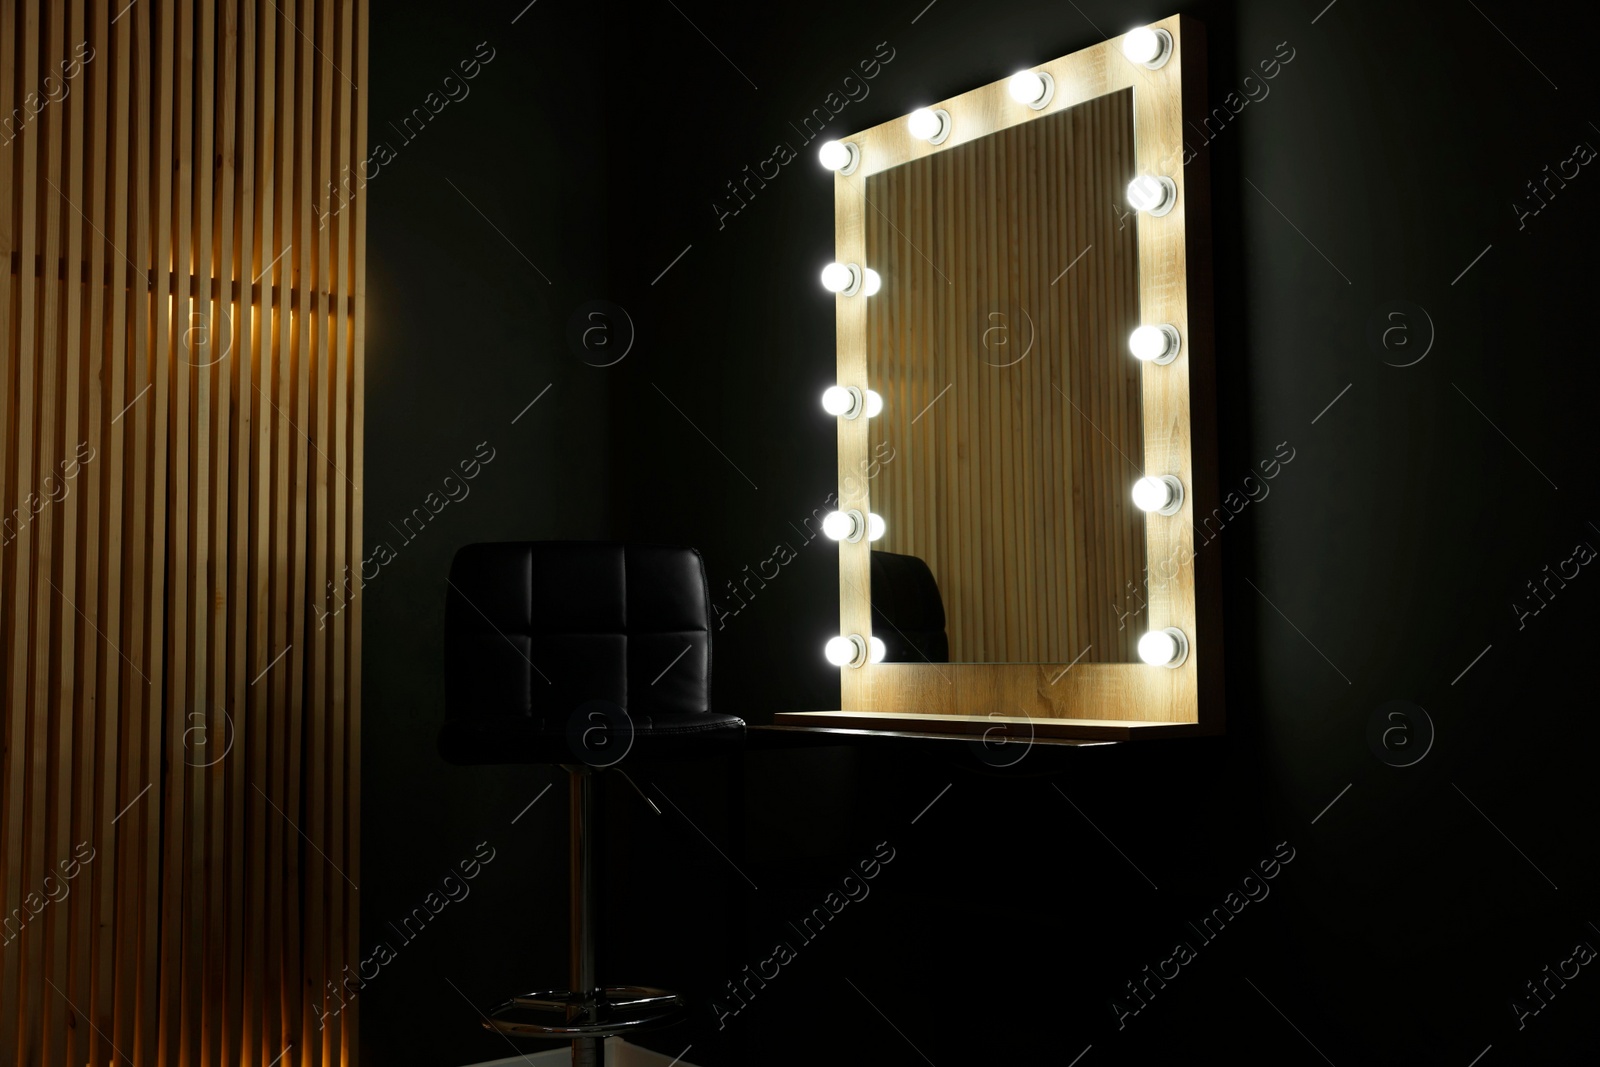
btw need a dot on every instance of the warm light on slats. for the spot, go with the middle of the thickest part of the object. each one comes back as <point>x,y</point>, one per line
<point>180,450</point>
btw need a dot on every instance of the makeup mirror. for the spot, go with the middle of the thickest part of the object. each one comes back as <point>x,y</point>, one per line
<point>998,342</point>
<point>1025,407</point>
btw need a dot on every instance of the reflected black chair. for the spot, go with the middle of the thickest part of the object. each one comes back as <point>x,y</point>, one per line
<point>580,654</point>
<point>907,610</point>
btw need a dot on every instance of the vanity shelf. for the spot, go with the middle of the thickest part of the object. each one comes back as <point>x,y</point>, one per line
<point>973,727</point>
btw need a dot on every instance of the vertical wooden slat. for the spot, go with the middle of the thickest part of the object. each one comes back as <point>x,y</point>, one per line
<point>102,563</point>
<point>150,610</point>
<point>77,724</point>
<point>285,680</point>
<point>318,428</point>
<point>239,38</point>
<point>304,959</point>
<point>218,127</point>
<point>12,748</point>
<point>47,824</point>
<point>340,162</point>
<point>15,446</point>
<point>181,296</point>
<point>358,392</point>
<point>129,842</point>
<point>178,948</point>
<point>261,1026</point>
<point>201,325</point>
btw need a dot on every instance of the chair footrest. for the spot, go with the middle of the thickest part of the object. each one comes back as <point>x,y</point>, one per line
<point>603,1013</point>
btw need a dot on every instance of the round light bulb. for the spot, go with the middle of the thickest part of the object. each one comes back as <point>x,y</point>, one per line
<point>841,651</point>
<point>838,277</point>
<point>1157,648</point>
<point>871,282</point>
<point>874,404</point>
<point>1142,45</point>
<point>1154,344</point>
<point>924,124</point>
<point>1152,494</point>
<point>837,400</point>
<point>875,526</point>
<point>1146,193</point>
<point>878,651</point>
<point>838,525</point>
<point>1026,87</point>
<point>835,155</point>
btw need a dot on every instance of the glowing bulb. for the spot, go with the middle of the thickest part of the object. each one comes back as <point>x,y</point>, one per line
<point>840,277</point>
<point>878,651</point>
<point>850,650</point>
<point>1163,494</point>
<point>1164,648</point>
<point>838,400</point>
<point>839,525</point>
<point>924,124</point>
<point>1151,47</point>
<point>929,124</point>
<point>1154,194</point>
<point>874,404</point>
<point>839,155</point>
<point>841,651</point>
<point>1031,88</point>
<point>871,283</point>
<point>1154,344</point>
<point>875,526</point>
<point>1155,648</point>
<point>1141,45</point>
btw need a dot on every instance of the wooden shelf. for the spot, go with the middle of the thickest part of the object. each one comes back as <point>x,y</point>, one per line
<point>972,727</point>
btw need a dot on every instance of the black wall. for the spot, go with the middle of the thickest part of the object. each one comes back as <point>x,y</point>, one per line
<point>1392,551</point>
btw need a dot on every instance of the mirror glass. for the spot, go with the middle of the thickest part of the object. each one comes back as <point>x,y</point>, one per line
<point>1012,406</point>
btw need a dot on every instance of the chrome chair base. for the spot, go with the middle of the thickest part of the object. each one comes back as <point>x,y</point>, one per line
<point>561,1013</point>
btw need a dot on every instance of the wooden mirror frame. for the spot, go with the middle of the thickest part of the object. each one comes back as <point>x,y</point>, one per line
<point>1082,702</point>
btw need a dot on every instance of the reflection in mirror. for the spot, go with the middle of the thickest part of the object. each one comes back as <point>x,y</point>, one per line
<point>999,343</point>
<point>907,610</point>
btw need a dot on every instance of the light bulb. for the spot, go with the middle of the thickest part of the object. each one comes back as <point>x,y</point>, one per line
<point>841,278</point>
<point>924,124</point>
<point>929,124</point>
<point>1164,648</point>
<point>1032,88</point>
<point>839,400</point>
<point>1141,45</point>
<point>1154,344</point>
<point>875,526</point>
<point>839,525</point>
<point>840,156</point>
<point>878,650</point>
<point>1151,494</point>
<point>874,404</point>
<point>1163,494</point>
<point>1154,194</point>
<point>841,651</point>
<point>848,651</point>
<point>871,283</point>
<point>1147,46</point>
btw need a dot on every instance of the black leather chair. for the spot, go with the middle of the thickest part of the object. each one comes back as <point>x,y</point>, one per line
<point>907,610</point>
<point>581,654</point>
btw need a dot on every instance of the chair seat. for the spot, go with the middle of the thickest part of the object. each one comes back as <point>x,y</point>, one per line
<point>562,1013</point>
<point>614,738</point>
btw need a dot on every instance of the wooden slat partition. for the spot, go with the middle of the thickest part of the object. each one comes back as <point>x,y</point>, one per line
<point>181,293</point>
<point>1011,406</point>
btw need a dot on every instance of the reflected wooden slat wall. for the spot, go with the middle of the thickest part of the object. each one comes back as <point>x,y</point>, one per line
<point>182,282</point>
<point>1012,481</point>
